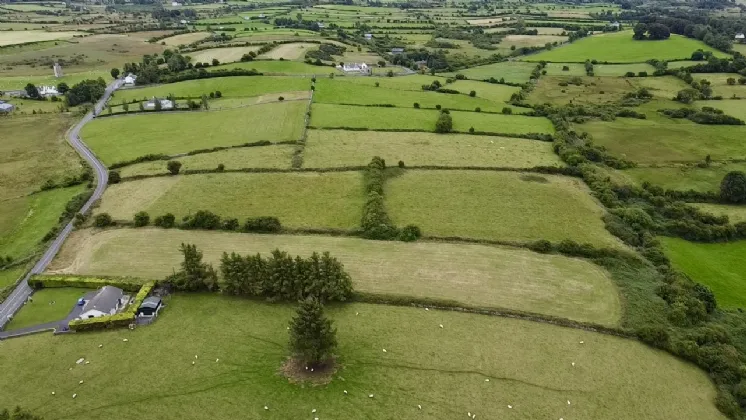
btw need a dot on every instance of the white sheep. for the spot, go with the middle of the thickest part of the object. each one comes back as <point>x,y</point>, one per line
<point>370,396</point>
<point>510,406</point>
<point>75,395</point>
<point>468,414</point>
<point>196,357</point>
<point>100,346</point>
<point>193,363</point>
<point>568,402</point>
<point>384,350</point>
<point>345,391</point>
<point>266,408</point>
<point>80,383</point>
<point>419,406</point>
<point>217,360</point>
<point>125,340</point>
<point>441,325</point>
<point>313,411</point>
<point>53,393</point>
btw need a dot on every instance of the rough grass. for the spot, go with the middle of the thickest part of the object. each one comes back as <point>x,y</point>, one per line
<point>295,51</point>
<point>732,108</point>
<point>19,37</point>
<point>480,275</point>
<point>497,205</point>
<point>686,177</point>
<point>327,115</point>
<point>24,221</point>
<point>240,86</point>
<point>511,71</point>
<point>328,148</point>
<point>246,157</point>
<point>720,86</point>
<point>736,214</point>
<point>123,138</point>
<point>593,90</point>
<point>578,69</point>
<point>322,200</point>
<point>8,277</point>
<point>280,67</point>
<point>185,39</point>
<point>619,47</point>
<point>223,55</point>
<point>41,310</point>
<point>443,370</point>
<point>719,266</point>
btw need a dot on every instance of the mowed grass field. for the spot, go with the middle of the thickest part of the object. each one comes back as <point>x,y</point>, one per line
<point>330,148</point>
<point>479,275</point>
<point>505,206</point>
<point>717,265</point>
<point>223,55</point>
<point>685,177</point>
<point>619,47</point>
<point>41,309</point>
<point>19,37</point>
<point>299,200</point>
<point>511,71</point>
<point>336,116</point>
<point>443,370</point>
<point>239,86</point>
<point>278,156</point>
<point>127,137</point>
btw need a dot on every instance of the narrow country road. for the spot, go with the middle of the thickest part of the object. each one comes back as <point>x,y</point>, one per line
<point>16,299</point>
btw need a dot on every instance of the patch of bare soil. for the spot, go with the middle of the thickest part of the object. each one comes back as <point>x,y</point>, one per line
<point>299,372</point>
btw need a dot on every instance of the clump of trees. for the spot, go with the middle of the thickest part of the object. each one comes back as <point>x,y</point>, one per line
<point>654,31</point>
<point>313,340</point>
<point>194,275</point>
<point>733,188</point>
<point>444,124</point>
<point>707,115</point>
<point>87,91</point>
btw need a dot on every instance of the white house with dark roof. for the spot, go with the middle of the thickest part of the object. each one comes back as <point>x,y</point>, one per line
<point>6,108</point>
<point>108,301</point>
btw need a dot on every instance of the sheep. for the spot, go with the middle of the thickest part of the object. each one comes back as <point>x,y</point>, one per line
<point>419,406</point>
<point>53,393</point>
<point>313,411</point>
<point>100,346</point>
<point>573,364</point>
<point>568,402</point>
<point>345,391</point>
<point>217,360</point>
<point>80,383</point>
<point>582,342</point>
<point>266,408</point>
<point>441,325</point>
<point>196,357</point>
<point>510,406</point>
<point>193,363</point>
<point>427,309</point>
<point>384,350</point>
<point>468,414</point>
<point>75,395</point>
<point>87,362</point>
<point>487,380</point>
<point>125,340</point>
<point>370,396</point>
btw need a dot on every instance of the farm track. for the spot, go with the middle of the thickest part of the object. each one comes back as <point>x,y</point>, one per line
<point>22,291</point>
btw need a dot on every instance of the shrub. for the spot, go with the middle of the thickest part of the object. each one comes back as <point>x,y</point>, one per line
<point>141,219</point>
<point>654,336</point>
<point>212,95</point>
<point>221,167</point>
<point>437,107</point>
<point>218,94</point>
<point>194,275</point>
<point>565,68</point>
<point>202,219</point>
<point>444,123</point>
<point>473,93</point>
<point>114,177</point>
<point>629,74</point>
<point>312,337</point>
<point>401,164</point>
<point>471,130</point>
<point>733,187</point>
<point>410,233</point>
<point>477,109</point>
<point>103,220</point>
<point>542,245</point>
<point>281,98</point>
<point>642,74</point>
<point>507,111</point>
<point>230,224</point>
<point>417,105</point>
<point>173,166</point>
<point>264,224</point>
<point>166,221</point>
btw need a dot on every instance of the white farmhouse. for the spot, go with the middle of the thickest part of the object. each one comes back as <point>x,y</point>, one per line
<point>740,37</point>
<point>175,4</point>
<point>165,104</point>
<point>130,80</point>
<point>108,301</point>
<point>48,91</point>
<point>354,68</point>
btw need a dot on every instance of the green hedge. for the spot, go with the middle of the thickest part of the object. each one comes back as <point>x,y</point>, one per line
<point>122,319</point>
<point>129,284</point>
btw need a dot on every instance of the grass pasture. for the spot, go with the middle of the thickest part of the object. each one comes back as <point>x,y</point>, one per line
<point>504,206</point>
<point>123,138</point>
<point>593,90</point>
<point>41,310</point>
<point>511,71</point>
<point>685,177</point>
<point>20,37</point>
<point>294,51</point>
<point>735,213</point>
<point>479,275</point>
<point>223,55</point>
<point>329,148</point>
<point>8,277</point>
<point>619,47</point>
<point>299,200</point>
<point>185,39</point>
<point>717,265</point>
<point>276,67</point>
<point>444,370</point>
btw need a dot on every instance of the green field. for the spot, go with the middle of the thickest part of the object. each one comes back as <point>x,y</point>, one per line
<point>270,67</point>
<point>24,221</point>
<point>736,214</point>
<point>719,266</point>
<point>619,47</point>
<point>503,206</point>
<point>228,86</point>
<point>686,177</point>
<point>18,82</point>
<point>41,310</point>
<point>733,108</point>
<point>8,277</point>
<point>245,157</point>
<point>123,138</point>
<point>329,148</point>
<point>443,370</point>
<point>511,71</point>
<point>486,276</point>
<point>331,200</point>
<point>604,70</point>
<point>334,116</point>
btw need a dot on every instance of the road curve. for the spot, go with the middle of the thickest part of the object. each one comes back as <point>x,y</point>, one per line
<point>16,299</point>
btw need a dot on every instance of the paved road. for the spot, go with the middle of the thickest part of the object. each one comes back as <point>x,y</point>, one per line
<point>16,299</point>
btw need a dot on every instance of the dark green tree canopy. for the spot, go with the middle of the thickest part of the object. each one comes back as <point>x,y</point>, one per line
<point>733,187</point>
<point>312,337</point>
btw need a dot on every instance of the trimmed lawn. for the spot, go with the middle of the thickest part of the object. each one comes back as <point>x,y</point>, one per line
<point>502,206</point>
<point>443,370</point>
<point>41,310</point>
<point>329,148</point>
<point>686,177</point>
<point>511,71</point>
<point>718,265</point>
<point>299,200</point>
<point>487,276</point>
<point>238,86</point>
<point>121,138</point>
<point>278,156</point>
<point>619,47</point>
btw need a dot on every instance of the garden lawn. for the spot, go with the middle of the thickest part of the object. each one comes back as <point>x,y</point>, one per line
<point>511,71</point>
<point>24,221</point>
<point>619,47</point>
<point>718,266</point>
<point>117,139</point>
<point>242,344</point>
<point>505,206</point>
<point>299,200</point>
<point>477,275</point>
<point>686,177</point>
<point>278,156</point>
<point>330,148</point>
<point>229,87</point>
<point>41,311</point>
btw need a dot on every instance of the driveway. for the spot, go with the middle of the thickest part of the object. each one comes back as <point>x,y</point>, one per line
<point>54,325</point>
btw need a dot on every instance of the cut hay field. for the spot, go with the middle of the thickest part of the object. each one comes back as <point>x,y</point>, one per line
<point>504,206</point>
<point>478,275</point>
<point>717,265</point>
<point>185,39</point>
<point>329,148</point>
<point>20,37</point>
<point>619,47</point>
<point>511,71</point>
<point>239,86</point>
<point>443,370</point>
<point>735,213</point>
<point>123,138</point>
<point>41,310</point>
<point>670,140</point>
<point>294,51</point>
<point>299,200</point>
<point>335,116</point>
<point>521,41</point>
<point>685,177</point>
<point>244,157</point>
<point>223,55</point>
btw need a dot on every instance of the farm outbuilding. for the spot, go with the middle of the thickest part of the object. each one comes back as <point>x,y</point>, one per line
<point>150,307</point>
<point>6,108</point>
<point>108,301</point>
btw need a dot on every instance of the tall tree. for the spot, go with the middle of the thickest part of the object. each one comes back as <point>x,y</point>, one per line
<point>733,187</point>
<point>312,337</point>
<point>32,92</point>
<point>115,73</point>
<point>194,275</point>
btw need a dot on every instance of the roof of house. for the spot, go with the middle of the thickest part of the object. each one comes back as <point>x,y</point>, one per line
<point>151,302</point>
<point>105,300</point>
<point>6,107</point>
<point>740,36</point>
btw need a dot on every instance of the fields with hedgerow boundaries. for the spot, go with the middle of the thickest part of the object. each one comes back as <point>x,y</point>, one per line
<point>507,212</point>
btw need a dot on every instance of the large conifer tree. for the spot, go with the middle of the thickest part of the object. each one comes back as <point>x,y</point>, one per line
<point>312,338</point>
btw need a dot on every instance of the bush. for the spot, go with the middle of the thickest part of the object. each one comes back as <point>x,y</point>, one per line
<point>401,164</point>
<point>114,177</point>
<point>417,105</point>
<point>281,98</point>
<point>202,219</point>
<point>218,94</point>
<point>642,74</point>
<point>629,74</point>
<point>437,107</point>
<point>102,220</point>
<point>173,166</point>
<point>733,187</point>
<point>410,233</point>
<point>542,245</point>
<point>477,109</point>
<point>128,284</point>
<point>141,219</point>
<point>473,93</point>
<point>264,224</point>
<point>565,68</point>
<point>221,167</point>
<point>654,336</point>
<point>507,111</point>
<point>444,123</point>
<point>166,221</point>
<point>230,224</point>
